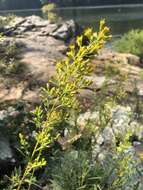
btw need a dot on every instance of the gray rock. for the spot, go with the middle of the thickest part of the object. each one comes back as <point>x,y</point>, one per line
<point>19,26</point>
<point>17,21</point>
<point>49,29</point>
<point>109,137</point>
<point>13,25</point>
<point>3,115</point>
<point>120,123</point>
<point>6,154</point>
<point>66,31</point>
<point>37,21</point>
<point>10,112</point>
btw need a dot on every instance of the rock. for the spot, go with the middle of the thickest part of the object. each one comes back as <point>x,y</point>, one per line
<point>16,22</point>
<point>11,112</point>
<point>120,123</point>
<point>20,26</point>
<point>133,59</point>
<point>113,64</point>
<point>9,29</point>
<point>38,55</point>
<point>6,154</point>
<point>122,58</point>
<point>36,21</point>
<point>14,93</point>
<point>7,157</point>
<point>7,119</point>
<point>3,114</point>
<point>29,23</point>
<point>49,29</point>
<point>109,137</point>
<point>66,31</point>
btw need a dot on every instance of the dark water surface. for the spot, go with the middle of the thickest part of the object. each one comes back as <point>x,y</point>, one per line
<point>120,18</point>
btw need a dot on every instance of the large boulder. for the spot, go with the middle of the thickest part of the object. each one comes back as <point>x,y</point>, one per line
<point>66,31</point>
<point>121,58</point>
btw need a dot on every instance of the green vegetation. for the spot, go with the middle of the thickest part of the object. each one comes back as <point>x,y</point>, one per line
<point>9,52</point>
<point>6,20</point>
<point>9,58</point>
<point>76,171</point>
<point>48,12</point>
<point>132,42</point>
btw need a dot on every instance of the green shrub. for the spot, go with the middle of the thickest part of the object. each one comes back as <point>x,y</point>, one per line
<point>6,20</point>
<point>119,170</point>
<point>76,171</point>
<point>123,168</point>
<point>48,7</point>
<point>131,42</point>
<point>9,58</point>
<point>48,12</point>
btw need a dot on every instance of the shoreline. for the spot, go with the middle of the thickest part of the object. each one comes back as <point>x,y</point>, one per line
<point>79,7</point>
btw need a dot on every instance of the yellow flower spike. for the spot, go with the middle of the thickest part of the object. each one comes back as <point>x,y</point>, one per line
<point>79,40</point>
<point>70,54</point>
<point>95,35</point>
<point>72,47</point>
<point>102,24</point>
<point>88,32</point>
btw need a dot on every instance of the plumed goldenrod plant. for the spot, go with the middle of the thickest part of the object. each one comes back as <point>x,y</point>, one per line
<point>59,99</point>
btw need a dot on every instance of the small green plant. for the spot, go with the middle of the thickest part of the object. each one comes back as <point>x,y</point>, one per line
<point>9,57</point>
<point>119,170</point>
<point>124,168</point>
<point>6,20</point>
<point>76,171</point>
<point>59,99</point>
<point>48,7</point>
<point>48,12</point>
<point>131,42</point>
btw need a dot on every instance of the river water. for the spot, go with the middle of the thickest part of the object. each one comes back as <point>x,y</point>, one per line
<point>120,18</point>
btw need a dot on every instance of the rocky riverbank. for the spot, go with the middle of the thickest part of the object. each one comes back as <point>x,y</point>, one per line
<point>42,44</point>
